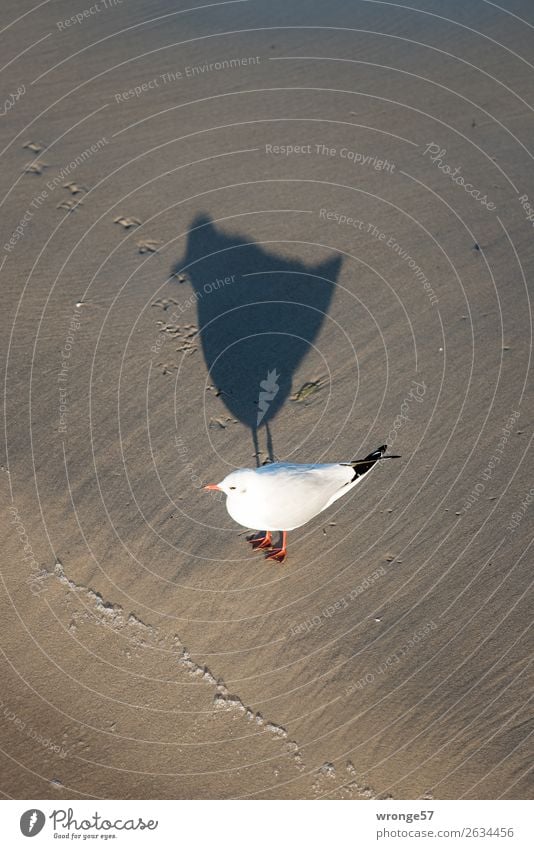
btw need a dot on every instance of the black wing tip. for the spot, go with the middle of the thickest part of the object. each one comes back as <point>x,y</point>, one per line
<point>380,454</point>
<point>361,467</point>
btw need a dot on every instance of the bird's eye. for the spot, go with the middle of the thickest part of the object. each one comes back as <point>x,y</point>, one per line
<point>232,487</point>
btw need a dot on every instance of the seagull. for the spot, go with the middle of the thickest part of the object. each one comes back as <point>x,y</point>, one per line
<point>280,497</point>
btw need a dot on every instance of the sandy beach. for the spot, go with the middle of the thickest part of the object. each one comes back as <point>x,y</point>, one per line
<point>197,198</point>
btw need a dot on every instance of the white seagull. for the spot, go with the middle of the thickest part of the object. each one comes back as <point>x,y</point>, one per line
<point>284,496</point>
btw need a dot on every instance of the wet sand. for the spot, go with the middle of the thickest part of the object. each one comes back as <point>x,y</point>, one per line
<point>368,170</point>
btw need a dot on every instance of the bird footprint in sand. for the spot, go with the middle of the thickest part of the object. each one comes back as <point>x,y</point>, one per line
<point>148,245</point>
<point>220,423</point>
<point>33,146</point>
<point>36,167</point>
<point>166,368</point>
<point>171,329</point>
<point>188,335</point>
<point>164,303</point>
<point>70,205</point>
<point>127,222</point>
<point>74,188</point>
<point>307,390</point>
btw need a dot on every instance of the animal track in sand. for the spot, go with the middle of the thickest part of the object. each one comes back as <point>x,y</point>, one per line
<point>70,205</point>
<point>33,146</point>
<point>164,303</point>
<point>307,390</point>
<point>148,245</point>
<point>171,329</point>
<point>185,335</point>
<point>127,222</point>
<point>167,368</point>
<point>36,167</point>
<point>74,188</point>
<point>211,387</point>
<point>220,422</point>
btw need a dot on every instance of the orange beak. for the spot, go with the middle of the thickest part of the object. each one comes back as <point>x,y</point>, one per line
<point>211,486</point>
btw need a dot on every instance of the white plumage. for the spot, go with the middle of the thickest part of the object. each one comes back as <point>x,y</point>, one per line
<point>284,496</point>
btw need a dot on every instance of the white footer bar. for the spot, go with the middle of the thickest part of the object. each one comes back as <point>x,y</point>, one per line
<point>267,824</point>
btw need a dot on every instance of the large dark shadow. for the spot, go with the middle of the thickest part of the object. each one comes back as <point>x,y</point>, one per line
<point>258,314</point>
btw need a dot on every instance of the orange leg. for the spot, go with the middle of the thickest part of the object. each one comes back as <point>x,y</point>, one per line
<point>279,554</point>
<point>262,541</point>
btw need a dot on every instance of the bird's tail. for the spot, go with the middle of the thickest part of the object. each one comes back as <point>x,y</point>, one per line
<point>361,467</point>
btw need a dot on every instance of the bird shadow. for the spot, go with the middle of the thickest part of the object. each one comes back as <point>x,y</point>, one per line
<point>258,314</point>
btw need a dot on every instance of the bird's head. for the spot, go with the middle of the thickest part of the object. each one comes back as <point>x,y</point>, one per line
<point>234,484</point>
